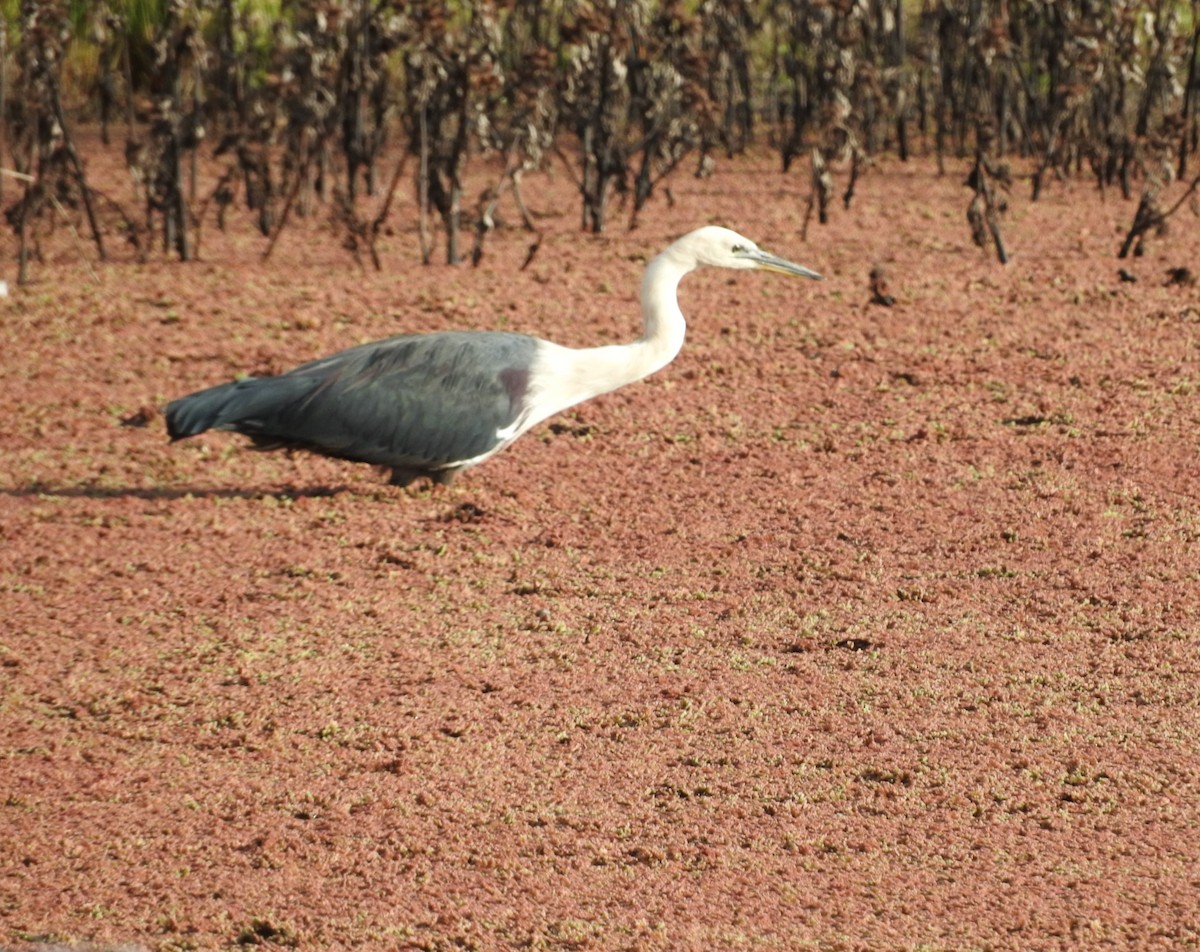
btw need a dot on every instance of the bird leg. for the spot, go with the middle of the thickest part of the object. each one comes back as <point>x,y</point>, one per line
<point>437,477</point>
<point>402,477</point>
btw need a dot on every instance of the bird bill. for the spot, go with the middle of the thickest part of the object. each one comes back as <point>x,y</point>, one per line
<point>770,262</point>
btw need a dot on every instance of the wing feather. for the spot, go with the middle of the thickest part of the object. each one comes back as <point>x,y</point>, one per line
<point>420,402</point>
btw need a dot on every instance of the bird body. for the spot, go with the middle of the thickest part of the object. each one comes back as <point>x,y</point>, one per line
<point>421,404</point>
<point>434,404</point>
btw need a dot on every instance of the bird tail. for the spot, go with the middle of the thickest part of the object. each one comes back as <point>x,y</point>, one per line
<point>255,406</point>
<point>200,411</point>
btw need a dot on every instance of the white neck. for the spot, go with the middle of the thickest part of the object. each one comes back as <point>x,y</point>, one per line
<point>566,376</point>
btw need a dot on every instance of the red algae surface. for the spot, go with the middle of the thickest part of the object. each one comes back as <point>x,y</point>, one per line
<point>856,627</point>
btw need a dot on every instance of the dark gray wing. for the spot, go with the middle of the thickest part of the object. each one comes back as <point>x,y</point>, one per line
<point>415,402</point>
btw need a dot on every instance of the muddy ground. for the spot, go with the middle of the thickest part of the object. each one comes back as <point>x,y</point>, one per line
<point>856,627</point>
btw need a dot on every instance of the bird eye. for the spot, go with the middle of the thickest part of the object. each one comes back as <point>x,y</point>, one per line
<point>739,249</point>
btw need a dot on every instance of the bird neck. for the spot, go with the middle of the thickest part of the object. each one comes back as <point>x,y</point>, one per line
<point>663,325</point>
<point>566,376</point>
<point>598,370</point>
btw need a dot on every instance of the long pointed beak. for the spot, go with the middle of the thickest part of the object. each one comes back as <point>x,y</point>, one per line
<point>769,262</point>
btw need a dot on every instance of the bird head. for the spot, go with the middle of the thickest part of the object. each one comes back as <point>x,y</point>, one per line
<point>722,248</point>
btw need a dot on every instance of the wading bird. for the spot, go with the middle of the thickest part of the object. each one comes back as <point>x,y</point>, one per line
<point>434,404</point>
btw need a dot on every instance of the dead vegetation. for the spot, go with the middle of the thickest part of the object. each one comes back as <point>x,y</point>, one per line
<point>302,109</point>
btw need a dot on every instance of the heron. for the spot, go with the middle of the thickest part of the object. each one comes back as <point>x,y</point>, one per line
<point>432,405</point>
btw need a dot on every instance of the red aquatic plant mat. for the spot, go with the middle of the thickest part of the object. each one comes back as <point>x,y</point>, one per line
<point>857,627</point>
